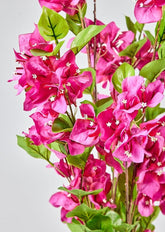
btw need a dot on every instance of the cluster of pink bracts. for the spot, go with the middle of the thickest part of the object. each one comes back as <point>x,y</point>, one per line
<point>52,84</point>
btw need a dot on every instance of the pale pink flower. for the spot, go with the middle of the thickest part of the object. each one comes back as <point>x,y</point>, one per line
<point>148,11</point>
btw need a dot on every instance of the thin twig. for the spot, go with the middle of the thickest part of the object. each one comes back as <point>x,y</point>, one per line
<point>95,50</point>
<point>127,191</point>
<point>156,41</point>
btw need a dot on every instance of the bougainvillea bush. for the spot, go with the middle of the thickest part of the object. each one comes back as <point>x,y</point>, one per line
<point>100,127</point>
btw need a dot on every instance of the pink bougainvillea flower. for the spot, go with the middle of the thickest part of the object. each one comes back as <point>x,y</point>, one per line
<point>55,81</point>
<point>145,205</point>
<point>135,96</point>
<point>85,132</point>
<point>148,183</point>
<point>68,6</point>
<point>33,40</point>
<point>148,11</point>
<point>64,200</point>
<point>109,158</point>
<point>43,125</point>
<point>132,148</point>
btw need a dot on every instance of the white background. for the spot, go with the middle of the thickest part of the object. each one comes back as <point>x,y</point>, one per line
<point>25,183</point>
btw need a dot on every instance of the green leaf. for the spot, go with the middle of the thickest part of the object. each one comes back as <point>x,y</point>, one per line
<point>135,192</point>
<point>81,193</point>
<point>152,113</point>
<point>150,37</point>
<point>61,124</point>
<point>130,25</point>
<point>133,48</point>
<point>139,26</point>
<point>85,36</point>
<point>73,26</point>
<point>40,152</point>
<point>161,34</point>
<point>125,70</point>
<point>115,218</point>
<point>38,52</point>
<point>84,212</point>
<point>153,69</point>
<point>52,26</point>
<point>58,146</point>
<point>76,226</point>
<point>122,210</point>
<point>103,104</point>
<point>100,222</point>
<point>146,222</point>
<point>161,51</point>
<point>79,161</point>
<point>125,227</point>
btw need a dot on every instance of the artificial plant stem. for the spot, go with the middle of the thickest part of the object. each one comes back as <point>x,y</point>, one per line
<point>95,47</point>
<point>156,41</point>
<point>70,107</point>
<point>127,191</point>
<point>83,27</point>
<point>131,199</point>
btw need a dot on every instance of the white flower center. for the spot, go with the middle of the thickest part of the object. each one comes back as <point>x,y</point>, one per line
<point>117,122</point>
<point>128,154</point>
<point>91,123</point>
<point>108,124</point>
<point>153,139</point>
<point>159,164</point>
<point>144,104</point>
<point>52,98</point>
<point>34,76</point>
<point>68,64</point>
<point>124,101</point>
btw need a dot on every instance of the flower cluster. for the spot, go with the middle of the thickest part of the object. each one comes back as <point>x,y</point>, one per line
<point>109,147</point>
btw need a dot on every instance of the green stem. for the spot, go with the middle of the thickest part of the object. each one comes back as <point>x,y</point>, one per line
<point>127,192</point>
<point>156,42</point>
<point>95,51</point>
<point>71,111</point>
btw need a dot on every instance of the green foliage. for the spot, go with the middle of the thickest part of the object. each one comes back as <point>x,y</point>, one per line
<point>58,146</point>
<point>81,193</point>
<point>74,21</point>
<point>62,124</point>
<point>130,25</point>
<point>103,104</point>
<point>139,26</point>
<point>85,213</point>
<point>152,113</point>
<point>79,161</point>
<point>100,222</point>
<point>52,26</point>
<point>146,222</point>
<point>40,152</point>
<point>73,26</point>
<point>150,37</point>
<point>153,69</point>
<point>161,26</point>
<point>85,36</point>
<point>76,226</point>
<point>125,70</point>
<point>161,51</point>
<point>133,48</point>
